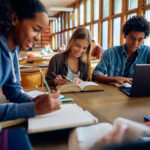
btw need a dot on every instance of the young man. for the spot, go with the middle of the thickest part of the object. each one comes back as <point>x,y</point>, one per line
<point>118,62</point>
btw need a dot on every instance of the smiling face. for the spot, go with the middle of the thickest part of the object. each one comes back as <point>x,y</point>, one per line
<point>79,47</point>
<point>26,32</point>
<point>133,40</point>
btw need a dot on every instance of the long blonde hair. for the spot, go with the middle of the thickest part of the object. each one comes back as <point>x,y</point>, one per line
<point>82,33</point>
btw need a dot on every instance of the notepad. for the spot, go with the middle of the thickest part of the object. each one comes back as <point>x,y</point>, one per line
<point>36,93</point>
<point>83,138</point>
<point>69,116</point>
<point>82,87</point>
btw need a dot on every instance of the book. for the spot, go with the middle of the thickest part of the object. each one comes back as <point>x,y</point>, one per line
<point>84,138</point>
<point>24,66</point>
<point>5,124</point>
<point>69,116</point>
<point>82,87</point>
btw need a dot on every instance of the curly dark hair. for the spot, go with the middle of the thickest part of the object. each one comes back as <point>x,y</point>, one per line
<point>24,9</point>
<point>137,23</point>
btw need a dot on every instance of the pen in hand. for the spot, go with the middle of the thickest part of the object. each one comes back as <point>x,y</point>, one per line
<point>68,79</point>
<point>54,74</point>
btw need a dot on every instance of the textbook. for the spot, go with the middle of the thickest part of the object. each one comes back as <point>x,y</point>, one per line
<point>82,87</point>
<point>69,116</point>
<point>84,138</point>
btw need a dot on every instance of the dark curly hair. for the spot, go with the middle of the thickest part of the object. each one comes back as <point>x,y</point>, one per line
<point>137,23</point>
<point>24,9</point>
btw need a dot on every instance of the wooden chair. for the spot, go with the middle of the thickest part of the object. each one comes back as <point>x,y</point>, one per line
<point>32,79</point>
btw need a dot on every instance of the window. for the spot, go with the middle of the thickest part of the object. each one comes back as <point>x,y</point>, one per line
<point>70,18</point>
<point>132,4</point>
<point>56,41</point>
<point>63,21</point>
<point>59,40</point>
<point>88,11</point>
<point>117,6</point>
<point>62,38</point>
<point>105,34</point>
<point>81,13</point>
<point>59,24</point>
<point>66,38</point>
<point>66,20</point>
<point>105,8</point>
<point>147,16</point>
<point>96,9</point>
<point>53,42</point>
<point>131,15</point>
<point>95,32</point>
<point>88,27</point>
<point>54,25</point>
<point>147,2</point>
<point>75,16</point>
<point>116,31</point>
<point>70,34</point>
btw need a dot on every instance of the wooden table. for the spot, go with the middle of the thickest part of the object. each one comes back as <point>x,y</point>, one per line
<point>105,105</point>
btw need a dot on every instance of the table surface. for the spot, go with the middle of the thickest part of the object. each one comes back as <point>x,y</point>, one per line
<point>106,105</point>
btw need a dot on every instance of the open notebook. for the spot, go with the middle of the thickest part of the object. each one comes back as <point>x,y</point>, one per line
<point>69,116</point>
<point>84,138</point>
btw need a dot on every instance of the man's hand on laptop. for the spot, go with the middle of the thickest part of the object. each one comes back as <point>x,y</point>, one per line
<point>122,80</point>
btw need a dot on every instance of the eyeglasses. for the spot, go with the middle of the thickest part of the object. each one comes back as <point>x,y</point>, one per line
<point>131,37</point>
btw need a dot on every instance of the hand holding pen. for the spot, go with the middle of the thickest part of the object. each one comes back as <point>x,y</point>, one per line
<point>59,79</point>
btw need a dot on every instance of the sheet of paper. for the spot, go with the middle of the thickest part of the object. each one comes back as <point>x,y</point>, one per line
<point>35,93</point>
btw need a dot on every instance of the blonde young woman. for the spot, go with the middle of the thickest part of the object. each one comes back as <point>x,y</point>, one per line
<point>74,62</point>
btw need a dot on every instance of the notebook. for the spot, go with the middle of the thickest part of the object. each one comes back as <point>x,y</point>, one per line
<point>141,82</point>
<point>15,139</point>
<point>5,124</point>
<point>84,138</point>
<point>69,116</point>
<point>36,93</point>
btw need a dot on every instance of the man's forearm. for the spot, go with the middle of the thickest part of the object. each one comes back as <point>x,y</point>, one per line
<point>103,79</point>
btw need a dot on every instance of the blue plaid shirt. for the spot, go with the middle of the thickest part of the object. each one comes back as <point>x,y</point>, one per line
<point>114,61</point>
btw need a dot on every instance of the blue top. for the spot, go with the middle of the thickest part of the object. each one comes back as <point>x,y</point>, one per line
<point>114,61</point>
<point>10,84</point>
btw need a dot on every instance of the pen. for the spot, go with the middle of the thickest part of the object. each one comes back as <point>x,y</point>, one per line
<point>68,79</point>
<point>54,74</point>
<point>45,82</point>
<point>66,100</point>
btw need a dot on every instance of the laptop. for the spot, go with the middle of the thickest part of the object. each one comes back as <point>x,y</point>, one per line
<point>141,82</point>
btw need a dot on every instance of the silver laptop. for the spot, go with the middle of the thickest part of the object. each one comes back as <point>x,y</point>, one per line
<point>141,82</point>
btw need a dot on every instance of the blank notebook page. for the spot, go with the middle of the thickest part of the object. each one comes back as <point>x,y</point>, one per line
<point>70,115</point>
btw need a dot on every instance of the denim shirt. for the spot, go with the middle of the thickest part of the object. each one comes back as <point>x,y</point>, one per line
<point>114,60</point>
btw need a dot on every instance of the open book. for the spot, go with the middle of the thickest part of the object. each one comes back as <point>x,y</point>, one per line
<point>69,116</point>
<point>84,138</point>
<point>83,86</point>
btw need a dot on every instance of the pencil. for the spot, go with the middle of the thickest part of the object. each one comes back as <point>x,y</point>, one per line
<point>45,82</point>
